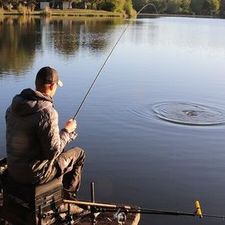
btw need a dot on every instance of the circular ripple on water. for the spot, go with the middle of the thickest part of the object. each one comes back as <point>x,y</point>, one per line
<point>189,113</point>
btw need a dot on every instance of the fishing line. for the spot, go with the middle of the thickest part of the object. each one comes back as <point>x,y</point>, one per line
<point>107,58</point>
<point>100,70</point>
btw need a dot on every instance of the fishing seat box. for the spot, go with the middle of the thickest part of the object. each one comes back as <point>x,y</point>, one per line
<point>28,204</point>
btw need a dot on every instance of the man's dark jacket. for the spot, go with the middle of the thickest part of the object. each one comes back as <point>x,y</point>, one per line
<point>32,136</point>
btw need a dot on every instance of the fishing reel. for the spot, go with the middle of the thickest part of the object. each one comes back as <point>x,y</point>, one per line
<point>120,216</point>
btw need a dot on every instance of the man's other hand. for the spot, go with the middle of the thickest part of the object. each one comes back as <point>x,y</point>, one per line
<point>71,125</point>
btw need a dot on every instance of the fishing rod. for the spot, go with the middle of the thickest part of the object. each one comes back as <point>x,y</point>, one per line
<point>107,58</point>
<point>103,207</point>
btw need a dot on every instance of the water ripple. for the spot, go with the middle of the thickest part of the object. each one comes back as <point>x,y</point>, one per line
<point>189,113</point>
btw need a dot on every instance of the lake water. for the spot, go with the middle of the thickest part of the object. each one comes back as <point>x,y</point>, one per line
<point>133,156</point>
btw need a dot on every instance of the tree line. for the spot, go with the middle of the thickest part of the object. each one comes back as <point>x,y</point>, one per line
<point>120,6</point>
<point>128,7</point>
<point>191,7</point>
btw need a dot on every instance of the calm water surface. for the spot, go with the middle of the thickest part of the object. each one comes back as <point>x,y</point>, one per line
<point>132,155</point>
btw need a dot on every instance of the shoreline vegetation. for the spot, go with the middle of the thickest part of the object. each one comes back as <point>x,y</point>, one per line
<point>60,12</point>
<point>92,13</point>
<point>91,8</point>
<point>182,8</point>
<point>115,8</point>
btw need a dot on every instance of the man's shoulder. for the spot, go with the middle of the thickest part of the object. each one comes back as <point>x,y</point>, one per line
<point>48,112</point>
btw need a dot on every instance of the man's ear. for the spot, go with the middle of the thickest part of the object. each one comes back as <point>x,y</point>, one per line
<point>51,86</point>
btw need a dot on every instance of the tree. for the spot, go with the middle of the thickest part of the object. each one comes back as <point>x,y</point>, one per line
<point>206,7</point>
<point>161,5</point>
<point>173,6</point>
<point>121,6</point>
<point>222,8</point>
<point>138,4</point>
<point>197,6</point>
<point>128,7</point>
<point>211,7</point>
<point>185,6</point>
<point>214,6</point>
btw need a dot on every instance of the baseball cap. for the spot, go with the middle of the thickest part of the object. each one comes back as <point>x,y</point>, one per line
<point>48,75</point>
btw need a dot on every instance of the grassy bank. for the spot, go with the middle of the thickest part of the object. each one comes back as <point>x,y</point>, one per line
<point>64,12</point>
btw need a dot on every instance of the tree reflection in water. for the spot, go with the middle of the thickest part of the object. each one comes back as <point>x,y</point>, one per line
<point>22,37</point>
<point>18,40</point>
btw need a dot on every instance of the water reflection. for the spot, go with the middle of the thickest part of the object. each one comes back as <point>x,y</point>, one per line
<point>69,35</point>
<point>98,34</point>
<point>18,41</point>
<point>21,38</point>
<point>62,35</point>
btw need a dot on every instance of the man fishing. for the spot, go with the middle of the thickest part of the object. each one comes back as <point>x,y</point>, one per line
<point>35,145</point>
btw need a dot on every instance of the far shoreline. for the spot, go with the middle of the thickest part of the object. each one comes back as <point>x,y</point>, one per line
<point>92,13</point>
<point>62,13</point>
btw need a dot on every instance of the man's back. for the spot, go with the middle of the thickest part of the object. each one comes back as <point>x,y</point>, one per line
<point>23,120</point>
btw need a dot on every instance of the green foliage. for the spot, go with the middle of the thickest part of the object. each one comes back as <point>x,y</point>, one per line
<point>128,8</point>
<point>173,6</point>
<point>112,5</point>
<point>199,7</point>
<point>160,5</point>
<point>215,6</point>
<point>107,5</point>
<point>138,4</point>
<point>121,6</point>
<point>205,7</point>
<point>222,8</point>
<point>185,6</point>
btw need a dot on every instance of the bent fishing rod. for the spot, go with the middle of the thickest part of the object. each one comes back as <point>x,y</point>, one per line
<point>106,60</point>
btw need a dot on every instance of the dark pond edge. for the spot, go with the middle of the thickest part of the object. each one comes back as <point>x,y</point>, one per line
<point>154,15</point>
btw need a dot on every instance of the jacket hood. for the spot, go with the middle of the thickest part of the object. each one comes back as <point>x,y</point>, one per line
<point>29,102</point>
